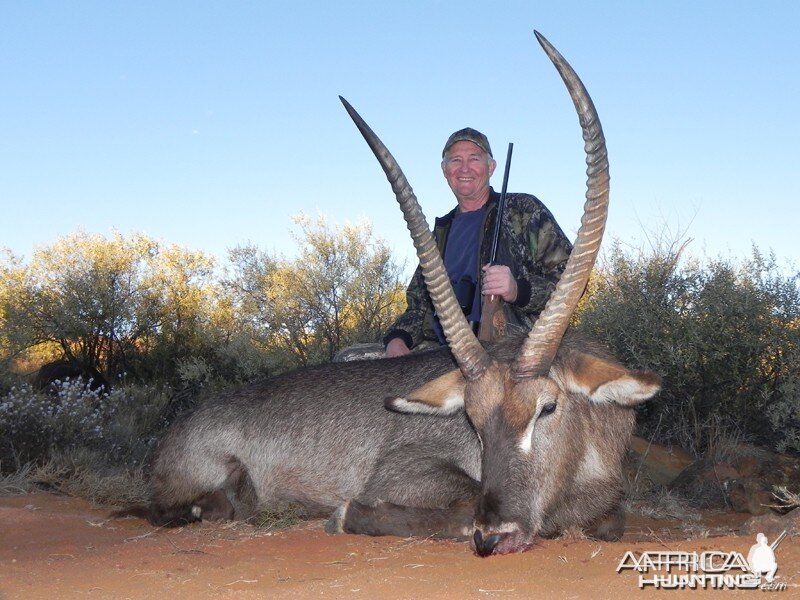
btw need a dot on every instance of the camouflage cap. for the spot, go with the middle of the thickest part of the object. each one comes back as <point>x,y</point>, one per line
<point>468,134</point>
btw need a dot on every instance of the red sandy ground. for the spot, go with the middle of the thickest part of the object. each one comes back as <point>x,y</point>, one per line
<point>59,547</point>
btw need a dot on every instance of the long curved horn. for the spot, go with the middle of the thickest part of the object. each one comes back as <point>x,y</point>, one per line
<point>542,343</point>
<point>472,359</point>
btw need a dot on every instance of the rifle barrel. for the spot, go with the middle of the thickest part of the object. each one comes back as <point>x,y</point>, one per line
<point>778,541</point>
<point>501,205</point>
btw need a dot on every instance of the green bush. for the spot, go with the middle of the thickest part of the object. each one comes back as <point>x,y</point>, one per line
<point>724,336</point>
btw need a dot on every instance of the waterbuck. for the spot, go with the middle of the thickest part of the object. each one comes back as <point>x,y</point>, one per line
<point>499,444</point>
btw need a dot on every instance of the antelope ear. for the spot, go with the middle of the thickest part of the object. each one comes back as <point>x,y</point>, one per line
<point>442,396</point>
<point>607,381</point>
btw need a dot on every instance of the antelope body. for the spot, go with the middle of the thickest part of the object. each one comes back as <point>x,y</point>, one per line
<point>501,444</point>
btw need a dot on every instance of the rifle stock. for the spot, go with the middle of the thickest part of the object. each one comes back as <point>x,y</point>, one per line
<point>493,321</point>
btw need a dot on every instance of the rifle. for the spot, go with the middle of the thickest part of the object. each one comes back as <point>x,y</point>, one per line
<point>778,541</point>
<point>493,323</point>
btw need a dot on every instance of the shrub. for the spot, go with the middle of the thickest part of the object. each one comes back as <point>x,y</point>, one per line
<point>121,425</point>
<point>724,336</point>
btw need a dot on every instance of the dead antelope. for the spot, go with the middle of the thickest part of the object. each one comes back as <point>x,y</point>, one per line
<point>499,444</point>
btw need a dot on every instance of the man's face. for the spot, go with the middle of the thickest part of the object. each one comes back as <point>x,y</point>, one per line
<point>467,169</point>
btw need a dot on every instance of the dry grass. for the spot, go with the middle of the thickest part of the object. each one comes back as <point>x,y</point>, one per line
<point>786,500</point>
<point>80,476</point>
<point>663,504</point>
<point>277,519</point>
<point>17,483</point>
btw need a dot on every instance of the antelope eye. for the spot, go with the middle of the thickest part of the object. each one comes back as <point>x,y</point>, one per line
<point>548,409</point>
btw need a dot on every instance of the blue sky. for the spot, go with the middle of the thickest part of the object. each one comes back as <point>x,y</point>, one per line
<point>212,124</point>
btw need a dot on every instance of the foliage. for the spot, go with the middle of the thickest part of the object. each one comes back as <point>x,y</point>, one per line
<point>105,303</point>
<point>725,337</point>
<point>89,475</point>
<point>130,307</point>
<point>83,293</point>
<point>123,424</point>
<point>344,287</point>
<point>157,319</point>
<point>127,306</point>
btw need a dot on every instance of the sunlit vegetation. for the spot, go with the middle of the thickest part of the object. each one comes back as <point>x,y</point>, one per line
<point>167,327</point>
<point>724,336</point>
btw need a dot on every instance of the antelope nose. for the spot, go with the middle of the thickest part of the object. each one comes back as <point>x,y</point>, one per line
<point>485,546</point>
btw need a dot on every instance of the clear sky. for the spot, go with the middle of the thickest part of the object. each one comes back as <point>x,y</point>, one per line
<point>211,124</point>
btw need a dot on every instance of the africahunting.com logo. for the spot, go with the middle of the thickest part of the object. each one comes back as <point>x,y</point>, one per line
<point>708,570</point>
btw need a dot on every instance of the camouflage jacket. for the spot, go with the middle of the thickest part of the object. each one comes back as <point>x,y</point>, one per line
<point>531,244</point>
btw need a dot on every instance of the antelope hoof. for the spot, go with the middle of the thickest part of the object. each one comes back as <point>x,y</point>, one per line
<point>335,524</point>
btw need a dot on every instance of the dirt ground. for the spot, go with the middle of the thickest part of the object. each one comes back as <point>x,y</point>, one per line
<point>59,547</point>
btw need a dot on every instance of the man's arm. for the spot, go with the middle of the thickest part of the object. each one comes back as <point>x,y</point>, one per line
<point>538,248</point>
<point>550,254</point>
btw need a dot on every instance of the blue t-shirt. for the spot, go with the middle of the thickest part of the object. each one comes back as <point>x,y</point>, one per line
<point>461,261</point>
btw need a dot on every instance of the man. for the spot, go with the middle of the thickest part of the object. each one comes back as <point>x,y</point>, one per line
<point>532,250</point>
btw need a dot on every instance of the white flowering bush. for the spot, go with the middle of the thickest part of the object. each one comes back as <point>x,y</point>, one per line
<point>120,425</point>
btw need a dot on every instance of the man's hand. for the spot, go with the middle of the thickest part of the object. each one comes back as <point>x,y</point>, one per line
<point>498,281</point>
<point>396,347</point>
